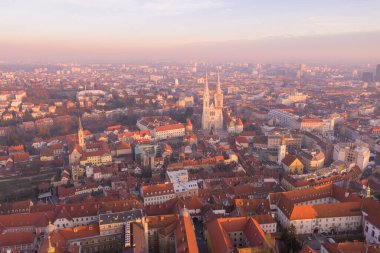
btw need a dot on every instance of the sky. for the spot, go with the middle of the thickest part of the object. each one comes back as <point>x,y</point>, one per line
<point>213,30</point>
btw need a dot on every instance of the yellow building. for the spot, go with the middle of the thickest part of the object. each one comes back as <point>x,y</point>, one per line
<point>292,164</point>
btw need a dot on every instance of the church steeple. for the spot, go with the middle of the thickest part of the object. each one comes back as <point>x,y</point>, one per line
<point>81,134</point>
<point>206,95</point>
<point>218,89</point>
<point>218,97</point>
<point>281,150</point>
<point>80,127</point>
<point>51,249</point>
<point>206,84</point>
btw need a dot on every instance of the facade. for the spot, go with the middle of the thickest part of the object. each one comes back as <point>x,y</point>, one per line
<point>161,127</point>
<point>292,164</point>
<point>157,194</point>
<point>212,114</point>
<point>315,124</point>
<point>284,118</point>
<point>312,160</point>
<point>169,131</point>
<point>325,208</point>
<point>371,221</point>
<point>357,153</point>
<point>96,157</point>
<point>288,99</point>
<point>119,223</point>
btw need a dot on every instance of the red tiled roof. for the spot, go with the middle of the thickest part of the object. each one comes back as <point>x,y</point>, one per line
<point>372,207</point>
<point>60,237</point>
<point>169,127</point>
<point>349,247</point>
<point>289,159</point>
<point>218,230</point>
<point>40,219</point>
<point>185,236</point>
<point>157,190</point>
<point>17,238</point>
<point>256,206</point>
<point>326,210</point>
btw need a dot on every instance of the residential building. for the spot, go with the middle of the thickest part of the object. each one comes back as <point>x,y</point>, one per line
<point>357,152</point>
<point>156,194</point>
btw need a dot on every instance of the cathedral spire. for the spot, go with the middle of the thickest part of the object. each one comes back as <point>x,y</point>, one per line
<point>206,83</point>
<point>80,127</point>
<point>51,249</point>
<point>81,134</point>
<point>218,85</point>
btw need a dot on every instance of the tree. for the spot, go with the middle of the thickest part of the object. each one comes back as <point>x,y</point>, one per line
<point>289,239</point>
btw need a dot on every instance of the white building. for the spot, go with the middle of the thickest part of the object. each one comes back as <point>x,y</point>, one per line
<point>182,185</point>
<point>284,118</point>
<point>157,194</point>
<point>357,152</point>
<point>288,99</point>
<point>161,127</point>
<point>169,131</point>
<point>371,221</point>
<point>319,209</point>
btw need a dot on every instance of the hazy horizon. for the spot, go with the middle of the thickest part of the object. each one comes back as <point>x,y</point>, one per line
<point>117,31</point>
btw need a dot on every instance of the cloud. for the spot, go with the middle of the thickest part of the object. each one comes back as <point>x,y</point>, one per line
<point>162,7</point>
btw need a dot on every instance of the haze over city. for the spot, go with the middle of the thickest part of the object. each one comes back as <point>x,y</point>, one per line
<point>189,126</point>
<point>118,31</point>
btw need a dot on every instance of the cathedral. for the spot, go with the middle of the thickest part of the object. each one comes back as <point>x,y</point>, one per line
<point>212,114</point>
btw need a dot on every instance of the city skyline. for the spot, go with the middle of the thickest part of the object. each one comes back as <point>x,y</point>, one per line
<point>164,30</point>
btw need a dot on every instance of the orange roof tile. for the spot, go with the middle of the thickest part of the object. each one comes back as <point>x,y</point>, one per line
<point>157,190</point>
<point>17,238</point>
<point>169,127</point>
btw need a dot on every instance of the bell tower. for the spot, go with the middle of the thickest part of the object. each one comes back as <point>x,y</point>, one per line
<point>218,95</point>
<point>81,134</point>
<point>206,106</point>
<point>281,150</point>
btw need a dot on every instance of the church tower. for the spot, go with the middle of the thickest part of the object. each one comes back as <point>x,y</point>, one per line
<point>81,135</point>
<point>218,95</point>
<point>281,150</point>
<point>212,114</point>
<point>206,106</point>
<point>51,249</point>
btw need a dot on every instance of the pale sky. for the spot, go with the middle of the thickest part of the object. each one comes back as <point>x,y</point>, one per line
<point>97,30</point>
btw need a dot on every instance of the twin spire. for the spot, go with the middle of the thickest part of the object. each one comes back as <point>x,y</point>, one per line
<point>218,86</point>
